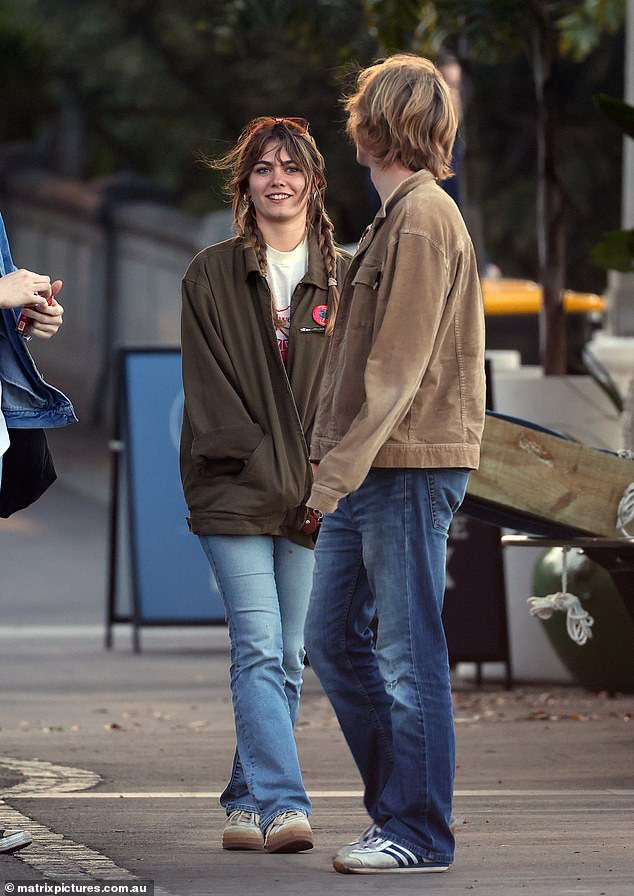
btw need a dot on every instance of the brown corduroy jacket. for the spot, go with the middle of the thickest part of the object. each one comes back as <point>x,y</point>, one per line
<point>404,381</point>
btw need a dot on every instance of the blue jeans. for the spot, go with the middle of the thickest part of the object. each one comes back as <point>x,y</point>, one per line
<point>264,582</point>
<point>383,551</point>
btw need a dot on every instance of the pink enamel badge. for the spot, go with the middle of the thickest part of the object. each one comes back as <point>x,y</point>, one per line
<point>320,315</point>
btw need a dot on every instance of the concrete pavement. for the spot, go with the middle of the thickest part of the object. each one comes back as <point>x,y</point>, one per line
<point>115,760</point>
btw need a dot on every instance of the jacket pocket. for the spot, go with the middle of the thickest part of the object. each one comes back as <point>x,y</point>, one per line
<point>228,442</point>
<point>369,274</point>
<point>446,489</point>
<point>260,456</point>
<point>365,284</point>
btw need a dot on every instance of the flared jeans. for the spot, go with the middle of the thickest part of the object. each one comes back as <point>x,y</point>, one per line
<point>264,582</point>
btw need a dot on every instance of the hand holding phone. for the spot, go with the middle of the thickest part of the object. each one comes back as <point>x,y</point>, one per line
<point>25,322</point>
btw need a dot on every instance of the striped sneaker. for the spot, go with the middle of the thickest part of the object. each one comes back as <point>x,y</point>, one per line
<point>383,856</point>
<point>242,831</point>
<point>375,831</point>
<point>12,841</point>
<point>369,834</point>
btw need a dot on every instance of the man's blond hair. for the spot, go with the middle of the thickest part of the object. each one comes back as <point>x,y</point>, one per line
<point>402,112</point>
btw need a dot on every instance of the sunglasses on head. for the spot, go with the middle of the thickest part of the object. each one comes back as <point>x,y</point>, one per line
<point>299,125</point>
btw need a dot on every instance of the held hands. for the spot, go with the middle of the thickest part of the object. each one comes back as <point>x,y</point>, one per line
<point>314,517</point>
<point>33,291</point>
<point>312,521</point>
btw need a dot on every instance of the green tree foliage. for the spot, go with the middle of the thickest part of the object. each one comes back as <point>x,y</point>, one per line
<point>149,85</point>
<point>25,104</point>
<point>157,83</point>
<point>615,251</point>
<point>501,161</point>
<point>547,33</point>
<point>621,114</point>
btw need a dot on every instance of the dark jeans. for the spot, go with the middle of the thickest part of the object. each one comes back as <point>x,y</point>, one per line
<point>384,551</point>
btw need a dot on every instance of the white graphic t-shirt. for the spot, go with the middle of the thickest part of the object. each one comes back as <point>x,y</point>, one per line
<point>285,270</point>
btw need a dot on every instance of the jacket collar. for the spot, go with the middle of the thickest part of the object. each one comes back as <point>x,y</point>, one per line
<point>406,186</point>
<point>316,274</point>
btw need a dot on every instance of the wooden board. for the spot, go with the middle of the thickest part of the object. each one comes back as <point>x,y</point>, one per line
<point>553,479</point>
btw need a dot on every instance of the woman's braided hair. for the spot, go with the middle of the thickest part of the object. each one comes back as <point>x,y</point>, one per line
<point>302,149</point>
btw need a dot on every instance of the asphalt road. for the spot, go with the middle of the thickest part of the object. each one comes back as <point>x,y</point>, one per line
<point>114,760</point>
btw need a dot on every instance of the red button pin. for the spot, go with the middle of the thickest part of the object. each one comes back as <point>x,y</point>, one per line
<point>320,315</point>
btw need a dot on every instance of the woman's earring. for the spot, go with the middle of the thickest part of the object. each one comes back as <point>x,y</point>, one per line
<point>245,200</point>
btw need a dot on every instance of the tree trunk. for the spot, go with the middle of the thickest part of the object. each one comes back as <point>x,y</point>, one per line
<point>550,225</point>
<point>552,264</point>
<point>71,129</point>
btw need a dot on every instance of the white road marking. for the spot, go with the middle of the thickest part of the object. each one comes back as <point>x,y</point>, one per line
<point>43,776</point>
<point>53,855</point>
<point>313,794</point>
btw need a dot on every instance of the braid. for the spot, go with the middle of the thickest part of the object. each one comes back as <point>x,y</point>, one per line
<point>325,236</point>
<point>252,236</point>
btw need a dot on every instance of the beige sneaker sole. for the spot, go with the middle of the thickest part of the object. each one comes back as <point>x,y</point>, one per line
<point>291,838</point>
<point>237,839</point>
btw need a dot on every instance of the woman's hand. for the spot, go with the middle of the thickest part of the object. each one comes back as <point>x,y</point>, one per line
<point>24,288</point>
<point>47,319</point>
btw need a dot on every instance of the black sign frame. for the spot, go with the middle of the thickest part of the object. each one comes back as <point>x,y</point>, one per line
<point>125,515</point>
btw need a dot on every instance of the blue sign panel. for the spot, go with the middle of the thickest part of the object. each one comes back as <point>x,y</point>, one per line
<point>172,579</point>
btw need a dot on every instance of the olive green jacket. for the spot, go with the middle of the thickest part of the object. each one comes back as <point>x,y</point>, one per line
<point>404,380</point>
<point>248,419</point>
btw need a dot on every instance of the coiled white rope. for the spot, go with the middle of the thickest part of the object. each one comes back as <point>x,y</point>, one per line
<point>578,621</point>
<point>625,510</point>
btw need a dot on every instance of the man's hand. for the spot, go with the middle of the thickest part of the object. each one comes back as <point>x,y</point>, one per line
<point>24,288</point>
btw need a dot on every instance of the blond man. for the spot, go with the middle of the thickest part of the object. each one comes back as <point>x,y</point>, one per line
<point>397,430</point>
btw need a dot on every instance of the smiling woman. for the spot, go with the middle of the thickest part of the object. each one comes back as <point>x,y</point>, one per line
<point>278,191</point>
<point>252,363</point>
<point>277,188</point>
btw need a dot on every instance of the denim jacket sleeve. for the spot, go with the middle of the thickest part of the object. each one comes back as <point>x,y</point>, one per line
<point>28,402</point>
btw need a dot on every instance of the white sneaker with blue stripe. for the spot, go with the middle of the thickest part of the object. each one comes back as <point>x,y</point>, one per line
<point>382,856</point>
<point>374,830</point>
<point>13,841</point>
<point>369,834</point>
